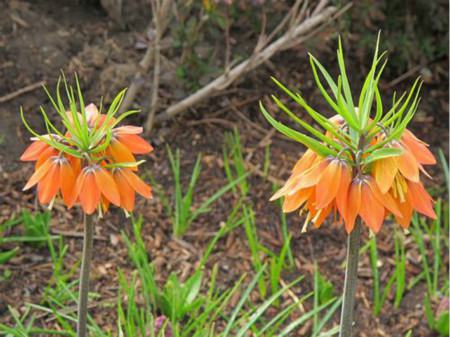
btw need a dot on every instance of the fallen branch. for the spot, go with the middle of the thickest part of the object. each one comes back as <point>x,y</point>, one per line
<point>158,9</point>
<point>293,34</point>
<point>163,15</point>
<point>21,91</point>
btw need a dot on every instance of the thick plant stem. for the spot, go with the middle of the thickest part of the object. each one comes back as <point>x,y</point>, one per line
<point>84,275</point>
<point>351,275</point>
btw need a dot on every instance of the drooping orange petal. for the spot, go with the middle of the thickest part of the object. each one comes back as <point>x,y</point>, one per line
<point>135,144</point>
<point>406,211</point>
<point>385,199</point>
<point>384,171</point>
<point>137,184</point>
<point>293,202</point>
<point>127,194</point>
<point>120,153</point>
<point>128,130</point>
<point>104,204</point>
<point>38,174</point>
<point>309,177</point>
<point>305,162</point>
<point>421,200</point>
<point>353,205</point>
<point>303,168</point>
<point>33,151</point>
<point>321,215</point>
<point>424,171</point>
<point>418,148</point>
<point>342,193</point>
<point>90,193</point>
<point>67,183</point>
<point>328,184</point>
<point>107,185</point>
<point>47,153</point>
<point>76,164</point>
<point>283,190</point>
<point>408,165</point>
<point>49,185</point>
<point>372,211</point>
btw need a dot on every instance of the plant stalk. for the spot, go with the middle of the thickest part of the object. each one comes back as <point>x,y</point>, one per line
<point>84,275</point>
<point>351,276</point>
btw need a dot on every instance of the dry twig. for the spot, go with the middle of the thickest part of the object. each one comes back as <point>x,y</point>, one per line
<point>158,9</point>
<point>263,52</point>
<point>21,91</point>
<point>149,56</point>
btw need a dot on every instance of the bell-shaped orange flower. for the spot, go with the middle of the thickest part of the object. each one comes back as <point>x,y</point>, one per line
<point>93,183</point>
<point>34,151</point>
<point>320,184</point>
<point>87,176</point>
<point>365,199</point>
<point>56,173</point>
<point>411,196</point>
<point>408,164</point>
<point>128,183</point>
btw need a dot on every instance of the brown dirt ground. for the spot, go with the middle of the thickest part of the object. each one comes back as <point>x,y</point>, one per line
<point>37,39</point>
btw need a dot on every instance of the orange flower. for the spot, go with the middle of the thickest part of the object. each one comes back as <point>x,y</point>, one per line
<point>128,183</point>
<point>319,184</point>
<point>399,178</point>
<point>93,183</point>
<point>34,150</point>
<point>55,174</point>
<point>408,164</point>
<point>89,178</point>
<point>365,199</point>
<point>125,143</point>
<point>410,196</point>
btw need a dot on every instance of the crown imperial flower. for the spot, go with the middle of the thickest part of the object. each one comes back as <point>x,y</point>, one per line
<point>364,163</point>
<point>93,162</point>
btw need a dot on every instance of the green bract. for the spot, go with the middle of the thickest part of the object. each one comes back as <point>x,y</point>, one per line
<point>79,139</point>
<point>363,121</point>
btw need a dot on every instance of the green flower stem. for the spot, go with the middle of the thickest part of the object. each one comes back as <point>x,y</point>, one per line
<point>351,276</point>
<point>84,275</point>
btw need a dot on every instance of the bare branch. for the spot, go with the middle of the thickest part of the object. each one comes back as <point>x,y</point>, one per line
<point>157,6</point>
<point>255,60</point>
<point>149,55</point>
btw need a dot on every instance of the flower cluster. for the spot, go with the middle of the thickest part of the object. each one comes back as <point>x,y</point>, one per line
<point>92,164</point>
<point>324,185</point>
<point>364,164</point>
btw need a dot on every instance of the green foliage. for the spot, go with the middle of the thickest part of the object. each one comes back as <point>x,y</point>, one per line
<point>177,299</point>
<point>37,226</point>
<point>414,33</point>
<point>8,255</point>
<point>362,121</point>
<point>439,320</point>
<point>23,326</point>
<point>181,209</point>
<point>254,246</point>
<point>323,289</point>
<point>36,229</point>
<point>233,161</point>
<point>323,295</point>
<point>83,140</point>
<point>61,287</point>
<point>397,278</point>
<point>191,311</point>
<point>442,324</point>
